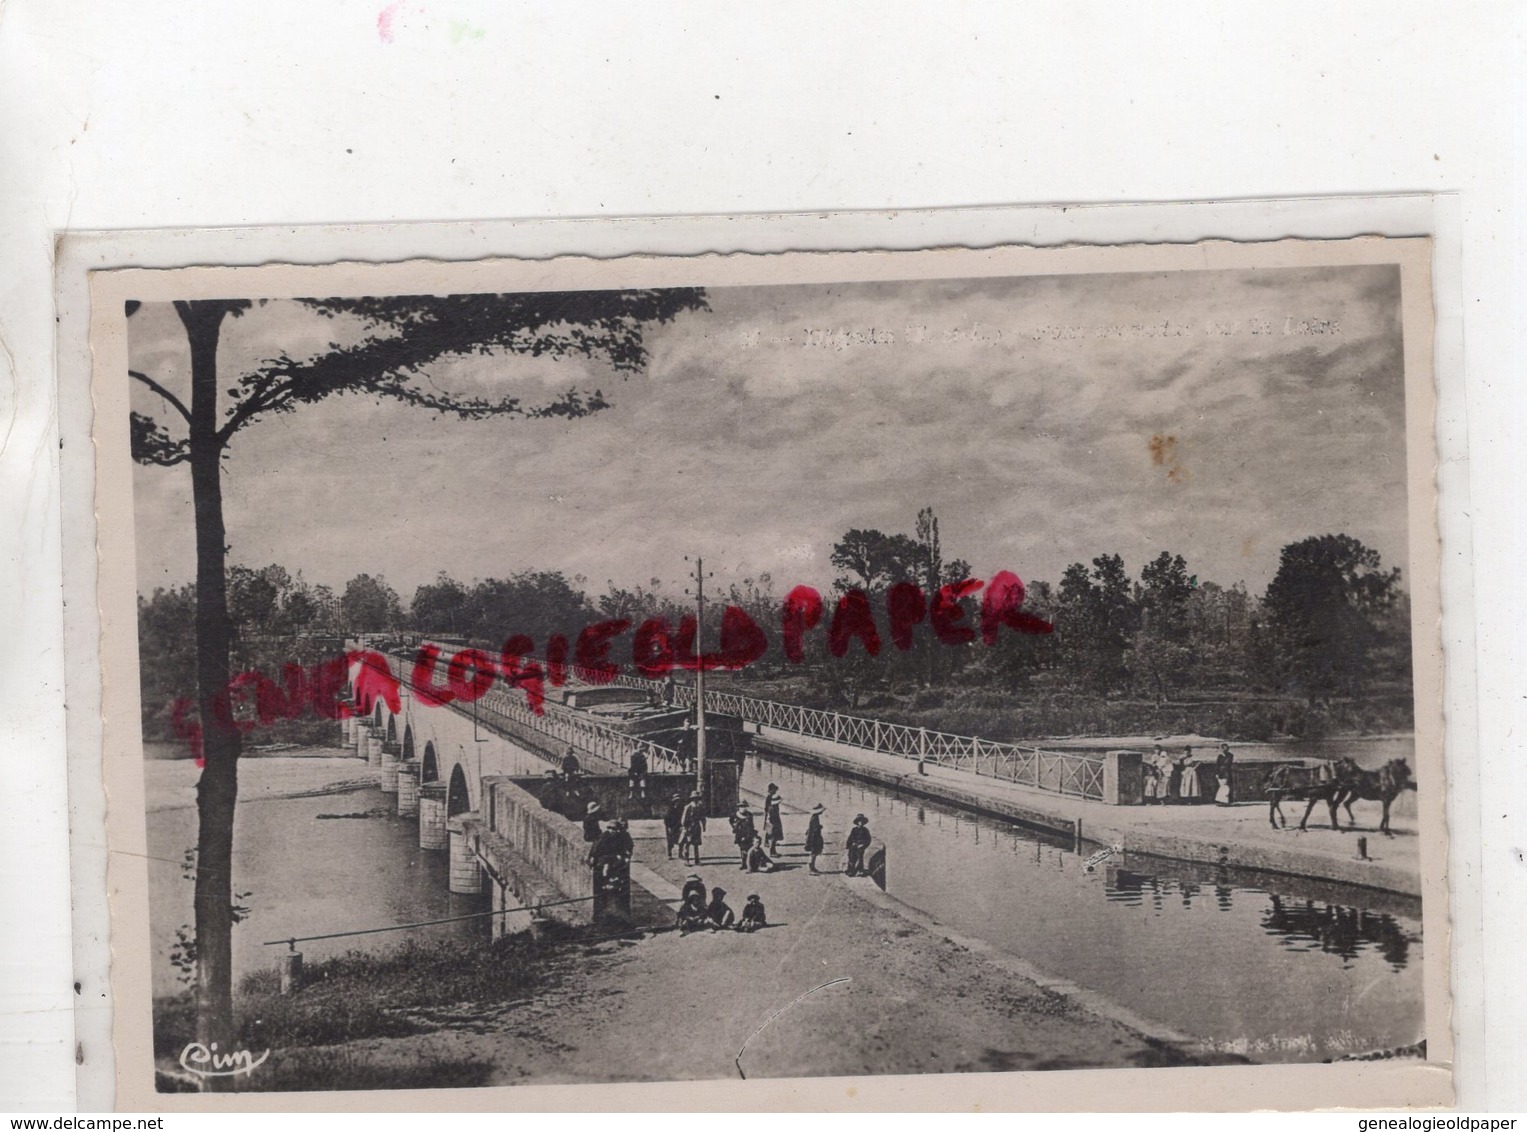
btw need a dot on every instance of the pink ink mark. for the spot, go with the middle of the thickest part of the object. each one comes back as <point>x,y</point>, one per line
<point>384,20</point>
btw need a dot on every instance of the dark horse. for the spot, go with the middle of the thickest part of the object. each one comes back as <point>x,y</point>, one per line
<point>1307,783</point>
<point>1382,785</point>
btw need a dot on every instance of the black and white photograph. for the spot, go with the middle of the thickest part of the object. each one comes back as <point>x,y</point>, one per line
<point>776,667</point>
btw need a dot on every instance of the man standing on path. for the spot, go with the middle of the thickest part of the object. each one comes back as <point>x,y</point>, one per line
<point>743,833</point>
<point>673,821</point>
<point>591,830</point>
<point>858,842</point>
<point>693,827</point>
<point>815,843</point>
<point>612,856</point>
<point>1224,771</point>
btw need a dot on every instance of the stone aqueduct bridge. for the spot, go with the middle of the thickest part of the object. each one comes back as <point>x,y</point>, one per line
<point>474,776</point>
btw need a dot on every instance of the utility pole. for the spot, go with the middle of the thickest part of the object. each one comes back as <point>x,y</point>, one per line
<point>701,782</point>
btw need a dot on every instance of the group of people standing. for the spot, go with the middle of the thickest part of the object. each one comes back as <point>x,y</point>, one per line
<point>684,823</point>
<point>685,820</point>
<point>1169,780</point>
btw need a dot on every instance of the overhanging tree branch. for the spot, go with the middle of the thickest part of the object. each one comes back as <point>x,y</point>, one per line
<point>151,444</point>
<point>163,392</point>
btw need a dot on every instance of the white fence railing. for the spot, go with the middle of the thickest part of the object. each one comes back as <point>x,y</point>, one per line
<point>510,711</point>
<point>1063,772</point>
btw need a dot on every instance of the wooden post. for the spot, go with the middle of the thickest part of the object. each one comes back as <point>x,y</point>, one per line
<point>291,970</point>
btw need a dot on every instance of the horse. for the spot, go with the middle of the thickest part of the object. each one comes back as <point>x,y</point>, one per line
<point>1382,785</point>
<point>1308,783</point>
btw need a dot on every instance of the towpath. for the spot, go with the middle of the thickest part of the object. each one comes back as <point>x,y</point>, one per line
<point>844,981</point>
<point>1239,835</point>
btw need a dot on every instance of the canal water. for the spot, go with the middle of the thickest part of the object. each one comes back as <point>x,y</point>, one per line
<point>1275,969</point>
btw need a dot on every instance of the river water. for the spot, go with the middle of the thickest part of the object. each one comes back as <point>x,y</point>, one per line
<point>1276,969</point>
<point>318,851</point>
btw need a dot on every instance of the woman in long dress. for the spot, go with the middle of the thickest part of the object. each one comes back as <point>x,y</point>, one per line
<point>774,828</point>
<point>815,842</point>
<point>1192,788</point>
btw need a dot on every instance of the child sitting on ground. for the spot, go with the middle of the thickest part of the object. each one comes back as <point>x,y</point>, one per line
<point>692,913</point>
<point>759,860</point>
<point>718,913</point>
<point>752,915</point>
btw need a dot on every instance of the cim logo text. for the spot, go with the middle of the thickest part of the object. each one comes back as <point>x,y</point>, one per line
<point>206,1061</point>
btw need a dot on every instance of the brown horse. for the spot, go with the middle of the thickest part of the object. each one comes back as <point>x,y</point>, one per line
<point>1306,783</point>
<point>1382,785</point>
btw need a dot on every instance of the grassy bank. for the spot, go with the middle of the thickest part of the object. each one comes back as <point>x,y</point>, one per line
<point>357,997</point>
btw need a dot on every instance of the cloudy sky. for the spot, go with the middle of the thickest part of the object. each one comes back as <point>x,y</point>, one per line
<point>1046,419</point>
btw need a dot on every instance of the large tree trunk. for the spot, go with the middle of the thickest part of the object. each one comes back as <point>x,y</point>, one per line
<point>217,791</point>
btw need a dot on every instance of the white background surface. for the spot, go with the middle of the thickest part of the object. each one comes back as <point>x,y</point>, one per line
<point>162,114</point>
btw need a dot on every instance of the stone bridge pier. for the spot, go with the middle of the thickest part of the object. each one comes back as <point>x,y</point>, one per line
<point>450,773</point>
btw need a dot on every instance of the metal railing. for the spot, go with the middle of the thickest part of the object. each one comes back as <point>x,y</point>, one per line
<point>1063,772</point>
<point>510,711</point>
<point>577,730</point>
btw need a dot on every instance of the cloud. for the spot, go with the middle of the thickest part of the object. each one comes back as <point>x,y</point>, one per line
<point>1022,410</point>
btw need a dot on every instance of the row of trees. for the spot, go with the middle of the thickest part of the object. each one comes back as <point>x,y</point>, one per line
<point>1333,624</point>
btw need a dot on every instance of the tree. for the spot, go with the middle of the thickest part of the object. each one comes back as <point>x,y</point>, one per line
<point>397,341</point>
<point>1323,610</point>
<point>439,606</point>
<point>302,609</point>
<point>1164,591</point>
<point>1160,654</point>
<point>874,560</point>
<point>533,603</point>
<point>1097,615</point>
<point>369,605</point>
<point>254,598</point>
<point>930,550</point>
<point>166,630</point>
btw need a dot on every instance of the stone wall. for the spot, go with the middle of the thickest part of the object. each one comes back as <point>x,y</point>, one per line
<point>611,792</point>
<point>551,844</point>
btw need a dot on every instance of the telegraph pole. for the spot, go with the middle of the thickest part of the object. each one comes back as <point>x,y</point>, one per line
<point>701,783</point>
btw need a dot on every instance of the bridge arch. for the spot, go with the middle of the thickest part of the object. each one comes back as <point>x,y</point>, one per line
<point>377,715</point>
<point>430,772</point>
<point>408,742</point>
<point>392,728</point>
<point>457,799</point>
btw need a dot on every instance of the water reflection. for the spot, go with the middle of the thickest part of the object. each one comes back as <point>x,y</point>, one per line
<point>1270,955</point>
<point>1338,930</point>
<point>1299,925</point>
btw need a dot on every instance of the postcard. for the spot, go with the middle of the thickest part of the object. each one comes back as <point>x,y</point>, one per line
<point>925,679</point>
